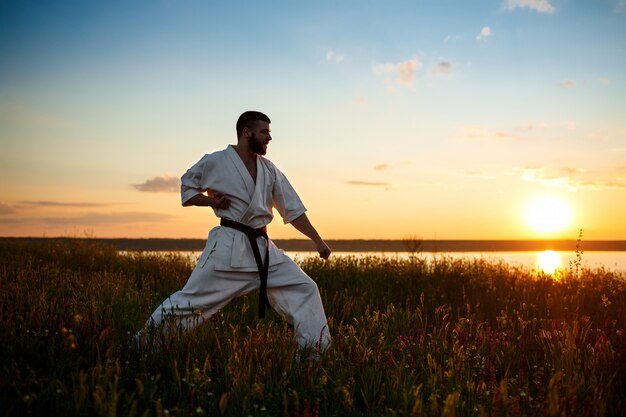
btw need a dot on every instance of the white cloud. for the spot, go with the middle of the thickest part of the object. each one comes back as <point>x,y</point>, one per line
<point>620,6</point>
<point>485,32</point>
<point>164,183</point>
<point>404,71</point>
<point>541,6</point>
<point>568,83</point>
<point>604,80</point>
<point>332,56</point>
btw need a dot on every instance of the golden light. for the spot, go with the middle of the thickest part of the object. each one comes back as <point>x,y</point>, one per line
<point>548,214</point>
<point>548,261</point>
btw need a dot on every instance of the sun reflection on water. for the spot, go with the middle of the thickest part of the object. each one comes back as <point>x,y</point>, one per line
<point>548,261</point>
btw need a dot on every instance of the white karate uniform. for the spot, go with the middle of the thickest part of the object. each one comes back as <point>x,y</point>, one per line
<point>227,268</point>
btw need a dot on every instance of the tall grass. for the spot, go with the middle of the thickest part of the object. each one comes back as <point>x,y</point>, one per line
<point>410,337</point>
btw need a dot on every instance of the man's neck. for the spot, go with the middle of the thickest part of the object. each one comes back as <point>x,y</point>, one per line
<point>247,156</point>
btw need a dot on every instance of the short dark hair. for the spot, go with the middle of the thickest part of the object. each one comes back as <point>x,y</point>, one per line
<point>249,119</point>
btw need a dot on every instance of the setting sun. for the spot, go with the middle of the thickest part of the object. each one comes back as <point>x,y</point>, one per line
<point>548,214</point>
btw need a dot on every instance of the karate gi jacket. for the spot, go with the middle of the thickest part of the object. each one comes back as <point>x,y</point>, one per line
<point>251,204</point>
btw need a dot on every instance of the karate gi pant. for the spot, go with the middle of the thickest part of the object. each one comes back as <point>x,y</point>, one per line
<point>291,293</point>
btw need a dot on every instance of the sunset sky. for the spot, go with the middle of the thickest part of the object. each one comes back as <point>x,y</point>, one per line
<point>445,119</point>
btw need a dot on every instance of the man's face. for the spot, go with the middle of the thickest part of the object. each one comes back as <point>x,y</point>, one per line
<point>259,138</point>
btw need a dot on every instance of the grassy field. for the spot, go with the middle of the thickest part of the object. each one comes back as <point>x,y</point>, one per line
<point>410,338</point>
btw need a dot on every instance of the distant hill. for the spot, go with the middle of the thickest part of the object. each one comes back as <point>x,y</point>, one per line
<point>302,245</point>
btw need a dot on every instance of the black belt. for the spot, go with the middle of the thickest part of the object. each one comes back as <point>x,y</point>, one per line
<point>263,267</point>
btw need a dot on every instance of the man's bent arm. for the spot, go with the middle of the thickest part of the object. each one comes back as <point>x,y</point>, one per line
<point>218,201</point>
<point>304,226</point>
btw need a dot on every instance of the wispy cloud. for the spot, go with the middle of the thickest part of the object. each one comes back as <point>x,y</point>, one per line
<point>533,126</point>
<point>332,56</point>
<point>486,133</point>
<point>485,32</point>
<point>444,67</point>
<point>382,167</point>
<point>91,219</point>
<point>571,179</point>
<point>568,83</point>
<point>6,208</point>
<point>541,6</point>
<point>604,80</point>
<point>62,204</point>
<point>620,6</point>
<point>368,183</point>
<point>453,38</point>
<point>404,72</point>
<point>479,132</point>
<point>160,184</point>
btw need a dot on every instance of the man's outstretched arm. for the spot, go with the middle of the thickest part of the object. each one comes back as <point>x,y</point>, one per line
<point>304,226</point>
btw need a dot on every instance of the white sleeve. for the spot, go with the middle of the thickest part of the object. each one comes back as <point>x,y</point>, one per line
<point>192,180</point>
<point>286,200</point>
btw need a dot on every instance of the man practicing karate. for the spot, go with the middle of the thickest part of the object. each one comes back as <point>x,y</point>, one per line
<point>242,187</point>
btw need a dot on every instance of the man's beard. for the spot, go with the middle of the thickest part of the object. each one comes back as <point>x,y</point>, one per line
<point>256,145</point>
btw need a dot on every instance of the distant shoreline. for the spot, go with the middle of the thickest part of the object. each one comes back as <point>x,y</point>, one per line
<point>356,245</point>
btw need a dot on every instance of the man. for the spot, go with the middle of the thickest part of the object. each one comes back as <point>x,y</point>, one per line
<point>242,187</point>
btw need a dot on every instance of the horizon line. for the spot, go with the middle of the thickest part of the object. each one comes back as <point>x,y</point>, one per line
<point>365,245</point>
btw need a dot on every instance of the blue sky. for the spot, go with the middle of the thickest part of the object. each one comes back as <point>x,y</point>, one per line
<point>451,115</point>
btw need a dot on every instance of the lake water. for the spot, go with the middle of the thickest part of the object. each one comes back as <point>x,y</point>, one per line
<point>547,261</point>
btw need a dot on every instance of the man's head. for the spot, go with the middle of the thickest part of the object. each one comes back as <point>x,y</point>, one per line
<point>253,130</point>
<point>249,120</point>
